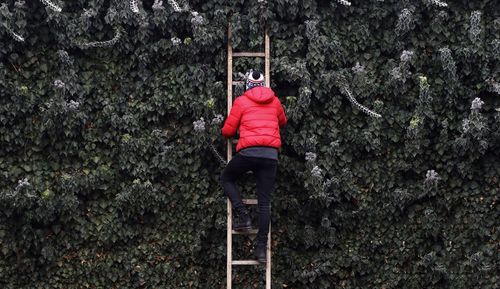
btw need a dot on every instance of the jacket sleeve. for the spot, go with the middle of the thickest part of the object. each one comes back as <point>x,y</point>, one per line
<point>233,120</point>
<point>281,115</point>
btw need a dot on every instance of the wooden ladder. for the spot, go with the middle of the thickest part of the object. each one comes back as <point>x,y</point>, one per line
<point>230,231</point>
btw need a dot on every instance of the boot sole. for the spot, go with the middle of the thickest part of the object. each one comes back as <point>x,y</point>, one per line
<point>244,229</point>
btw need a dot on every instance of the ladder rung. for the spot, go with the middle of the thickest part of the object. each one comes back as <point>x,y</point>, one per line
<point>249,232</point>
<point>250,201</point>
<point>245,262</point>
<point>249,54</point>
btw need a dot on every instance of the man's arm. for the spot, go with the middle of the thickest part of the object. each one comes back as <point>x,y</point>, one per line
<point>282,120</point>
<point>233,120</point>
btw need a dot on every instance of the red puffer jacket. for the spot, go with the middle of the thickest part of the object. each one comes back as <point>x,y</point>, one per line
<point>259,115</point>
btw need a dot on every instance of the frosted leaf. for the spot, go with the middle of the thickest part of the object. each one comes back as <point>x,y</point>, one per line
<point>310,156</point>
<point>20,4</point>
<point>477,103</point>
<point>197,18</point>
<point>158,5</point>
<point>358,68</point>
<point>431,180</point>
<point>311,29</point>
<point>89,13</point>
<point>73,105</point>
<point>448,61</point>
<point>405,21</point>
<point>432,176</point>
<point>199,125</point>
<point>64,57</point>
<point>466,125</point>
<point>396,73</point>
<point>406,55</point>
<point>217,119</point>
<point>325,222</point>
<point>175,41</point>
<point>316,172</point>
<point>495,87</point>
<point>16,36</point>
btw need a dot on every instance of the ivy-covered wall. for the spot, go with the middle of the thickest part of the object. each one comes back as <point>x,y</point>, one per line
<point>110,116</point>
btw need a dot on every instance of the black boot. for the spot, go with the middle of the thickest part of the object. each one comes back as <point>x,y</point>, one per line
<point>260,251</point>
<point>244,223</point>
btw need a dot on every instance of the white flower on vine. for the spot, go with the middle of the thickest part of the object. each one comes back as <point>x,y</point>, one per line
<point>431,178</point>
<point>447,61</point>
<point>345,3</point>
<point>405,20</point>
<point>475,25</point>
<point>175,41</point>
<point>199,125</point>
<point>106,43</point>
<point>175,5</point>
<point>134,6</point>
<point>51,5</point>
<point>22,184</point>
<point>59,83</point>
<point>437,3</point>
<point>359,106</point>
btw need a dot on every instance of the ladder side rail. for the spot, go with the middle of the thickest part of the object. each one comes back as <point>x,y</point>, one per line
<point>267,60</point>
<point>230,83</point>
<point>229,155</point>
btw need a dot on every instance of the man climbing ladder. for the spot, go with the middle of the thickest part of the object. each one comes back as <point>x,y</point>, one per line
<point>259,115</point>
<point>247,116</point>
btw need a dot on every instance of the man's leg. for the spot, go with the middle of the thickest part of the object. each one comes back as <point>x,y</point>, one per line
<point>265,175</point>
<point>237,166</point>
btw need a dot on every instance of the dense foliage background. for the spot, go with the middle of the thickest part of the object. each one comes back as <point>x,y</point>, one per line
<point>105,183</point>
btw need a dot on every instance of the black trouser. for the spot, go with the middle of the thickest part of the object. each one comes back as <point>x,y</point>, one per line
<point>265,174</point>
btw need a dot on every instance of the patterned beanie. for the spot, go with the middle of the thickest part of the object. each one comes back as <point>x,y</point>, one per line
<point>255,78</point>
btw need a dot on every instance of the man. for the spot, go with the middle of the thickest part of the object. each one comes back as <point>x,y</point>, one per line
<point>259,115</point>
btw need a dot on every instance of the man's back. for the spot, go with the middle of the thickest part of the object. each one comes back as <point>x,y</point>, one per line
<point>259,115</point>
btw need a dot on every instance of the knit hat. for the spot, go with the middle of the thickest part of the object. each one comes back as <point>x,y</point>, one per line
<point>255,78</point>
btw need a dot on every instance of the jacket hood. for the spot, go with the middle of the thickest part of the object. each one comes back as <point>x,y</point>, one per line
<point>260,94</point>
